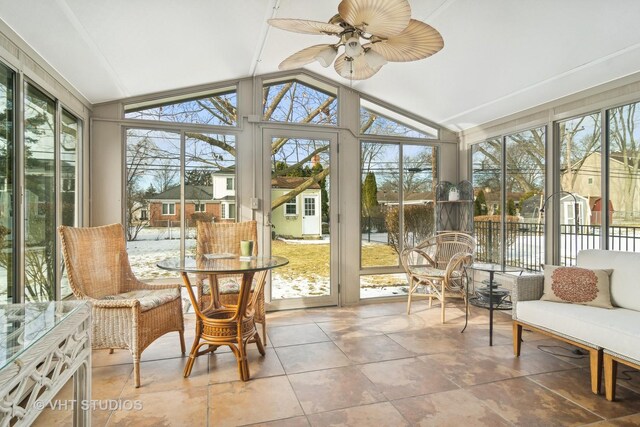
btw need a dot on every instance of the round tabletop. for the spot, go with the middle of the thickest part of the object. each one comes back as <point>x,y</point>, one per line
<point>489,267</point>
<point>215,263</point>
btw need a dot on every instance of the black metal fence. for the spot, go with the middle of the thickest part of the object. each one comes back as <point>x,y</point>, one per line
<point>525,242</point>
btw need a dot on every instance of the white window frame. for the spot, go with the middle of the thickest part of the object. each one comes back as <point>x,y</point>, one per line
<point>230,180</point>
<point>293,203</point>
<point>224,210</point>
<point>197,207</point>
<point>171,209</point>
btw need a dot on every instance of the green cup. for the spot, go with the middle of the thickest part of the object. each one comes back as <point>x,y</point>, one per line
<point>246,247</point>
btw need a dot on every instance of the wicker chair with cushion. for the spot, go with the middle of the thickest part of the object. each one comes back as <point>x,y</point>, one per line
<point>438,265</point>
<point>217,238</point>
<point>126,313</point>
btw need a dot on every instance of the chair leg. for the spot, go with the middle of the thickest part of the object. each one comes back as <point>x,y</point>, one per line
<point>517,338</point>
<point>443,306</point>
<point>182,346</point>
<point>110,351</point>
<point>136,370</point>
<point>243,364</point>
<point>409,299</point>
<point>264,330</point>
<point>430,301</point>
<point>259,343</point>
<point>610,374</point>
<point>595,364</point>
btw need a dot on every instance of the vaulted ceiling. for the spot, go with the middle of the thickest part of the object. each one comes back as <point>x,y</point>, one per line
<point>500,56</point>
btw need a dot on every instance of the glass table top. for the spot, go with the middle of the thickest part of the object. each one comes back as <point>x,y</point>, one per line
<point>22,325</point>
<point>486,266</point>
<point>222,263</point>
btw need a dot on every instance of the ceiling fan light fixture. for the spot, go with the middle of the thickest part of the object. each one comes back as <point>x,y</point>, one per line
<point>326,56</point>
<point>353,48</point>
<point>374,59</point>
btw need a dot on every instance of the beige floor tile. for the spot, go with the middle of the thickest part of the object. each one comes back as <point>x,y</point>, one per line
<point>378,309</point>
<point>288,317</point>
<point>575,385</point>
<point>628,421</point>
<point>308,357</point>
<point>523,402</point>
<point>398,323</point>
<point>161,375</point>
<point>487,364</point>
<point>296,334</point>
<point>406,377</point>
<point>173,407</point>
<point>223,367</point>
<point>330,389</point>
<point>449,408</point>
<point>372,348</point>
<point>350,328</point>
<point>103,358</point>
<point>378,414</point>
<point>287,422</point>
<point>259,400</point>
<point>109,382</point>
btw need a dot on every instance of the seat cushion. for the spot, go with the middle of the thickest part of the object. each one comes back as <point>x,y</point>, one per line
<point>615,329</point>
<point>428,271</point>
<point>225,286</point>
<point>148,298</point>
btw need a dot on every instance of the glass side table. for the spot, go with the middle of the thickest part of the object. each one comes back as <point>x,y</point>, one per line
<point>491,297</point>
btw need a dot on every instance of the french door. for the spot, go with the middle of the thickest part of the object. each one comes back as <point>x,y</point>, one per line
<point>301,217</point>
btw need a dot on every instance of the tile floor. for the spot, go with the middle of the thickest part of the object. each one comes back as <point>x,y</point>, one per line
<point>370,365</point>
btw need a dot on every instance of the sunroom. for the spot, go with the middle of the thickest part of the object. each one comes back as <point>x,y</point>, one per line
<point>519,132</point>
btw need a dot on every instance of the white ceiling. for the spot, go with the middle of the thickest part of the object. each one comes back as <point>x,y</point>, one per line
<point>500,56</point>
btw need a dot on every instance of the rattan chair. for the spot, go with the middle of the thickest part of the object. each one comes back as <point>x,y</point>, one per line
<point>225,238</point>
<point>437,264</point>
<point>126,313</point>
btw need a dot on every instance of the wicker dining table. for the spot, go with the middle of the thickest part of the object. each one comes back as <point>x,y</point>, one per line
<point>218,324</point>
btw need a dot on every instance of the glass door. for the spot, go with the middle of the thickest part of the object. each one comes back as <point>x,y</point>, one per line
<point>299,192</point>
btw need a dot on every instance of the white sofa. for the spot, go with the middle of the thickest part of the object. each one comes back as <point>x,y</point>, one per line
<point>612,335</point>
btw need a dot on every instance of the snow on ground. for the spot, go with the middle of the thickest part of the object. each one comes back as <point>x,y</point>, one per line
<point>156,244</point>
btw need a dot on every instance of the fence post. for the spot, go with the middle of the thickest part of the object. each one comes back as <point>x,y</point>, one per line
<point>490,241</point>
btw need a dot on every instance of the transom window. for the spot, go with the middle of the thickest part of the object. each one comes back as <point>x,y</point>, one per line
<point>219,109</point>
<point>378,120</point>
<point>293,101</point>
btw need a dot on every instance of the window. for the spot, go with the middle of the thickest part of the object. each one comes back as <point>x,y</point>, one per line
<point>291,208</point>
<point>144,214</point>
<point>200,207</point>
<point>230,184</point>
<point>580,163</point>
<point>6,184</point>
<point>378,120</point>
<point>624,178</point>
<point>218,109</point>
<point>293,101</point>
<point>397,194</point>
<point>228,211</point>
<point>511,232</point>
<point>168,209</point>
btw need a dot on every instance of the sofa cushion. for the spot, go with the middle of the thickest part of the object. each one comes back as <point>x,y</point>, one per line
<point>615,329</point>
<point>577,285</point>
<point>625,286</point>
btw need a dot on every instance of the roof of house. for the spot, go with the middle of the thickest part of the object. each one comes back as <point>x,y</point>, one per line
<point>191,192</point>
<point>291,182</point>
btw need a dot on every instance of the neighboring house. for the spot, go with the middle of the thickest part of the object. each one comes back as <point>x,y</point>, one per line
<point>300,217</point>
<point>391,198</point>
<point>164,208</point>
<point>624,192</point>
<point>530,209</point>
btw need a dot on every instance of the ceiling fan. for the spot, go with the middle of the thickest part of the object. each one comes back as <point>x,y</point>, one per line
<point>372,32</point>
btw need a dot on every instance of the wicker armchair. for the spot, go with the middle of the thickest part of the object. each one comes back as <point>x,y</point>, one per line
<point>126,313</point>
<point>225,238</point>
<point>438,265</point>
